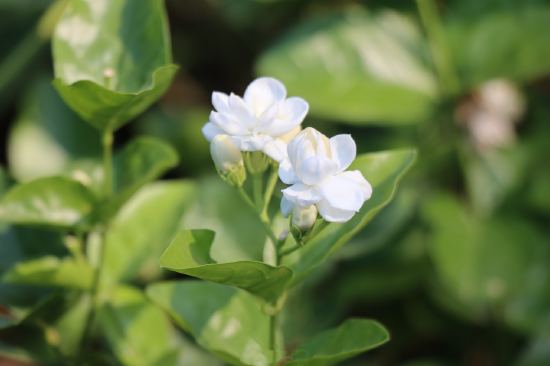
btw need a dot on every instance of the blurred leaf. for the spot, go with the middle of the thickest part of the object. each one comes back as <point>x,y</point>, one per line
<point>383,170</point>
<point>47,136</point>
<point>226,321</point>
<point>138,235</point>
<point>353,337</point>
<point>479,261</point>
<point>71,325</point>
<point>56,202</point>
<point>220,209</point>
<point>51,271</point>
<point>137,331</point>
<point>492,176</point>
<point>517,38</point>
<point>537,352</point>
<point>141,161</point>
<point>358,68</point>
<point>129,38</point>
<point>189,254</point>
<point>182,128</point>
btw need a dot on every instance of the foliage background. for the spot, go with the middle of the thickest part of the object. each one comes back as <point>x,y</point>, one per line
<point>457,267</point>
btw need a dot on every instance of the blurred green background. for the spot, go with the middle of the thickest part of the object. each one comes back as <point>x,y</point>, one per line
<point>457,267</point>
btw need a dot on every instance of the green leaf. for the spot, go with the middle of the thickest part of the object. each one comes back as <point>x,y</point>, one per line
<point>226,321</point>
<point>517,38</point>
<point>55,202</point>
<point>138,235</point>
<point>328,348</point>
<point>481,262</point>
<point>136,330</point>
<point>356,68</point>
<point>141,161</point>
<point>189,254</point>
<point>51,271</point>
<point>128,38</point>
<point>48,138</point>
<point>383,170</point>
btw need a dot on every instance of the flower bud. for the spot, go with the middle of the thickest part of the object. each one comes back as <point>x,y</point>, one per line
<point>304,218</point>
<point>228,160</point>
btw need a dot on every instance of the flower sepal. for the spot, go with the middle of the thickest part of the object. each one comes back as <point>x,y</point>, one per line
<point>235,177</point>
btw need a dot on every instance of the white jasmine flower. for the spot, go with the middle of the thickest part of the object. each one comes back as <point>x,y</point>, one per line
<point>315,167</point>
<point>256,121</point>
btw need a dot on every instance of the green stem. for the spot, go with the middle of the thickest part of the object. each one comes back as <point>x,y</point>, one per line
<point>107,192</point>
<point>316,230</point>
<point>289,250</point>
<point>257,186</point>
<point>442,58</point>
<point>271,183</point>
<point>273,325</point>
<point>245,198</point>
<point>108,163</point>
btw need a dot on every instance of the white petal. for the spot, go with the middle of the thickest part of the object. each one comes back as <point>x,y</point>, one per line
<point>315,169</point>
<point>343,151</point>
<point>286,172</point>
<point>357,177</point>
<point>292,149</point>
<point>210,131</point>
<point>286,207</point>
<point>242,112</point>
<point>220,102</point>
<point>291,113</point>
<point>290,135</point>
<point>267,118</point>
<point>276,150</point>
<point>250,143</point>
<point>341,192</point>
<point>333,214</point>
<point>322,143</point>
<point>302,195</point>
<point>228,123</point>
<point>261,93</point>
<point>305,151</point>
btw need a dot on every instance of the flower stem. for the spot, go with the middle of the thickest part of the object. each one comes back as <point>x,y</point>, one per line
<point>442,58</point>
<point>290,250</point>
<point>273,325</point>
<point>318,228</point>
<point>271,182</point>
<point>245,198</point>
<point>107,192</point>
<point>108,163</point>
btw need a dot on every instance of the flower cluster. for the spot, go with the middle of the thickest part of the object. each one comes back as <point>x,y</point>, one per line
<point>314,165</point>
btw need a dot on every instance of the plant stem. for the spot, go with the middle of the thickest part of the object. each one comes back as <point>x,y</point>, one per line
<point>257,186</point>
<point>442,58</point>
<point>273,325</point>
<point>318,228</point>
<point>271,182</point>
<point>245,198</point>
<point>289,250</point>
<point>107,192</point>
<point>108,163</point>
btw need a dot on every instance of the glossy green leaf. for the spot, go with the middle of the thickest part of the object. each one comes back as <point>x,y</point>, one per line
<point>328,348</point>
<point>383,170</point>
<point>189,254</point>
<point>357,68</point>
<point>137,331</point>
<point>141,161</point>
<point>138,234</point>
<point>56,202</point>
<point>128,38</point>
<point>48,138</point>
<point>51,271</point>
<point>226,321</point>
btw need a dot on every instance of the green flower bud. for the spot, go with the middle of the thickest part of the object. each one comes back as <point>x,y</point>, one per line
<point>228,160</point>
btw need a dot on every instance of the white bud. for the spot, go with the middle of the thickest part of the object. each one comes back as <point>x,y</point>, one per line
<point>304,217</point>
<point>228,160</point>
<point>225,155</point>
<point>290,135</point>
